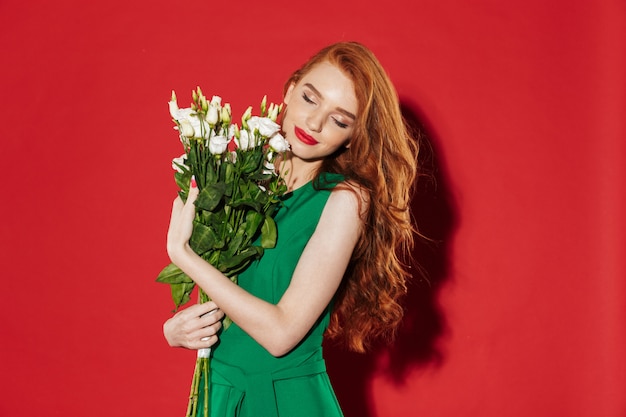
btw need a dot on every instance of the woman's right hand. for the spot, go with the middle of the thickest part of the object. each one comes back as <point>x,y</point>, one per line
<point>195,327</point>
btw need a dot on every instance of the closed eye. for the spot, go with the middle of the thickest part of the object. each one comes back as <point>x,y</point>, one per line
<point>307,99</point>
<point>340,124</point>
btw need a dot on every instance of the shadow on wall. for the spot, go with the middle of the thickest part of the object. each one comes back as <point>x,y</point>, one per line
<point>418,341</point>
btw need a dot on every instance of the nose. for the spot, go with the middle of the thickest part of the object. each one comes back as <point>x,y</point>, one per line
<point>314,121</point>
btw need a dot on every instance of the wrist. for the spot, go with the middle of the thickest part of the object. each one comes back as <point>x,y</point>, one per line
<point>179,255</point>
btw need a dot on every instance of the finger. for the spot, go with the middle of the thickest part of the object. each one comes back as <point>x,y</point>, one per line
<point>177,206</point>
<point>210,330</point>
<point>197,311</point>
<point>207,342</point>
<point>207,331</point>
<point>212,317</point>
<point>193,190</point>
<point>203,308</point>
<point>188,211</point>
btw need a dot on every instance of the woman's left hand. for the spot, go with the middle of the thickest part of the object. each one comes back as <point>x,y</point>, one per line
<point>195,327</point>
<point>181,223</point>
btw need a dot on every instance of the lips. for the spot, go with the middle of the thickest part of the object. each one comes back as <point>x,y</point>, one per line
<point>304,137</point>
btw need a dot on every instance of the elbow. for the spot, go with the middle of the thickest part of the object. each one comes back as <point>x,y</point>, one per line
<point>277,353</point>
<point>281,344</point>
<point>280,349</point>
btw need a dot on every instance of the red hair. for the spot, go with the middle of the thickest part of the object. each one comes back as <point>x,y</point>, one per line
<point>381,162</point>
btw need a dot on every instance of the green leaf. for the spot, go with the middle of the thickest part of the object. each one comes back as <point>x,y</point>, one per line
<point>204,238</point>
<point>210,196</point>
<point>180,284</point>
<point>253,196</point>
<point>192,158</point>
<point>181,293</point>
<point>182,179</point>
<point>268,233</point>
<point>214,238</point>
<point>237,261</point>
<point>172,274</point>
<point>228,172</point>
<point>260,177</point>
<point>260,197</point>
<point>253,221</point>
<point>251,162</point>
<point>245,202</point>
<point>235,244</point>
<point>211,175</point>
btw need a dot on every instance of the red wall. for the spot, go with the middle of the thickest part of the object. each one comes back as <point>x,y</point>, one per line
<point>524,105</point>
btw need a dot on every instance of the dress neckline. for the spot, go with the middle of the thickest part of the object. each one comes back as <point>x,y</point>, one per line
<point>326,180</point>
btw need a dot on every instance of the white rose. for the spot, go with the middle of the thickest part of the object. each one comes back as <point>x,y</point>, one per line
<point>218,145</point>
<point>180,161</point>
<point>266,126</point>
<point>186,129</point>
<point>278,143</point>
<point>180,114</point>
<point>269,168</point>
<point>200,133</point>
<point>190,119</point>
<point>213,115</point>
<point>173,109</point>
<point>206,129</point>
<point>226,114</point>
<point>245,140</point>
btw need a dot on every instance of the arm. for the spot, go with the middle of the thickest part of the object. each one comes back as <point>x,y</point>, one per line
<point>278,328</point>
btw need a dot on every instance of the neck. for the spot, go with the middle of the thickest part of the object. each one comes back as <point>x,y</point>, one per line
<point>297,172</point>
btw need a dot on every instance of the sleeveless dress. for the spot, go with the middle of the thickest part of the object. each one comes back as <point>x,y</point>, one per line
<point>246,380</point>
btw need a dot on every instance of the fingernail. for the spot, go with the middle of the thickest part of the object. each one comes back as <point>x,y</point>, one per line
<point>193,182</point>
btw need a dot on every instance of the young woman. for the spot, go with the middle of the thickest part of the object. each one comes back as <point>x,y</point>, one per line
<point>336,268</point>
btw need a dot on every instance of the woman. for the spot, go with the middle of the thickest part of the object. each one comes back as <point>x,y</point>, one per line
<point>335,268</point>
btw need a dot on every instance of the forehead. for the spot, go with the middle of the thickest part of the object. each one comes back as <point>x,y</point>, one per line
<point>333,84</point>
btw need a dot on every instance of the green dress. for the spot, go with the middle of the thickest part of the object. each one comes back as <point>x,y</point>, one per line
<point>246,380</point>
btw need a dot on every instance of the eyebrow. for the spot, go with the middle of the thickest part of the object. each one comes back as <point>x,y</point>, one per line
<point>339,109</point>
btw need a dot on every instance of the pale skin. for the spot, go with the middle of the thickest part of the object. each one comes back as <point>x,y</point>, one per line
<point>195,327</point>
<point>319,120</point>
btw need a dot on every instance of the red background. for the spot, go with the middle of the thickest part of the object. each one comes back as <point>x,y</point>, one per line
<point>523,102</point>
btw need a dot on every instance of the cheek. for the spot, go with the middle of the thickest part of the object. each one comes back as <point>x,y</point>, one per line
<point>343,136</point>
<point>287,118</point>
<point>339,139</point>
<point>290,114</point>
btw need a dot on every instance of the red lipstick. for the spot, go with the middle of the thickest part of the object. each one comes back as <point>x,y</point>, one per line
<point>304,137</point>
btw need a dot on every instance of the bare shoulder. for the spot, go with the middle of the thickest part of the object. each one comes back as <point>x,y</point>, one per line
<point>345,209</point>
<point>341,222</point>
<point>350,196</point>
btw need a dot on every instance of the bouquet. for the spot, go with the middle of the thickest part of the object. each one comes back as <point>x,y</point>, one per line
<point>239,192</point>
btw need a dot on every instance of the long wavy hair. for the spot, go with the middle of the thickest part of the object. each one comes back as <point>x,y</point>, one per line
<point>381,162</point>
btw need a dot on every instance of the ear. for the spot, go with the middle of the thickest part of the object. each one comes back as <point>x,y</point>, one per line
<point>288,94</point>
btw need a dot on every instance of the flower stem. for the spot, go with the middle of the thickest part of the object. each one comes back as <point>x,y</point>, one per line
<point>193,394</point>
<point>205,404</point>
